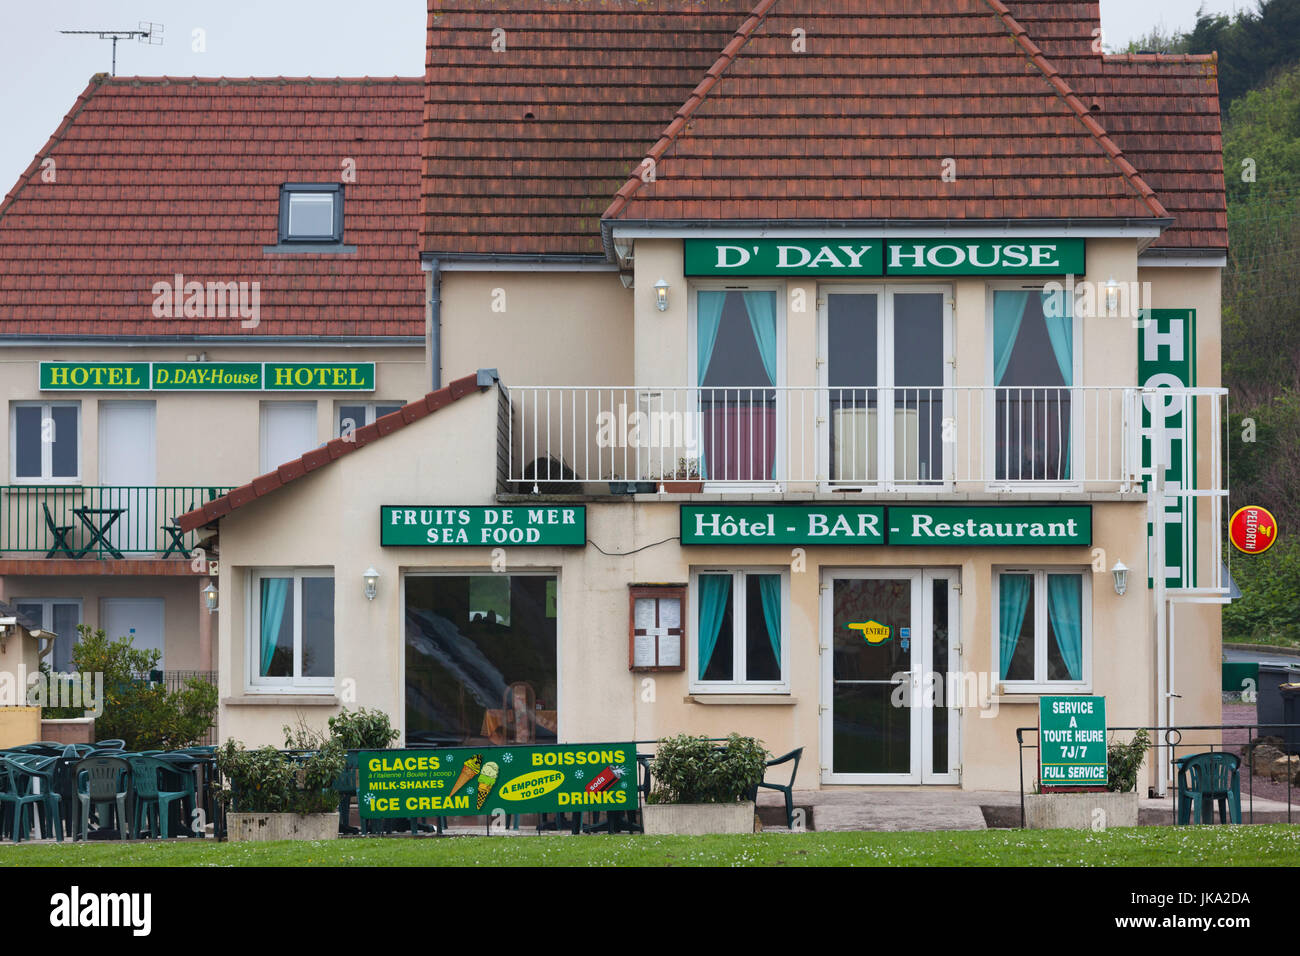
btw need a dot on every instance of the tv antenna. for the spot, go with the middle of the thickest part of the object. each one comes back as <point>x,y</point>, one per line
<point>150,33</point>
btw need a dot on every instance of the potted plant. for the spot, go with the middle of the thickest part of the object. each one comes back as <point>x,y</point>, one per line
<point>273,796</point>
<point>684,479</point>
<point>1115,807</point>
<point>362,729</point>
<point>700,787</point>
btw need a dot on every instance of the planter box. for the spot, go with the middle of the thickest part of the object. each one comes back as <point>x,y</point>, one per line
<point>70,730</point>
<point>281,826</point>
<point>683,487</point>
<point>697,819</point>
<point>1077,811</point>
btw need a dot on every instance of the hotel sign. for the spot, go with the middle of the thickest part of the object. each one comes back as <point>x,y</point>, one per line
<point>482,527</point>
<point>875,257</point>
<point>941,525</point>
<point>208,376</point>
<point>1072,742</point>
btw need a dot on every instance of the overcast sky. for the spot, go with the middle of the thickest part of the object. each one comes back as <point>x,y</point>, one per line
<point>41,72</point>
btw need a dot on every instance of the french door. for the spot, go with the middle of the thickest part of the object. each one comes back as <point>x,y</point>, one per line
<point>889,645</point>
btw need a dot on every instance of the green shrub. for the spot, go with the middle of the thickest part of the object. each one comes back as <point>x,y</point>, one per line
<point>1123,761</point>
<point>144,714</point>
<point>266,781</point>
<point>690,769</point>
<point>362,729</point>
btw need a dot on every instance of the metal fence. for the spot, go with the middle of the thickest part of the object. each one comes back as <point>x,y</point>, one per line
<point>1165,744</point>
<point>175,681</point>
<point>100,521</point>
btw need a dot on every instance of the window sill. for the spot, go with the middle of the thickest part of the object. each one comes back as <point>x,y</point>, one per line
<point>1027,696</point>
<point>776,700</point>
<point>335,248</point>
<point>282,700</point>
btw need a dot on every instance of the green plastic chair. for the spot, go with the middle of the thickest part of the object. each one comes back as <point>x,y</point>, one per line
<point>151,801</point>
<point>19,776</point>
<point>107,782</point>
<point>1205,779</point>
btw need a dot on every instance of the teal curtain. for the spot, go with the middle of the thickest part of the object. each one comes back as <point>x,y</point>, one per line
<point>769,589</point>
<point>1065,610</point>
<point>274,591</point>
<point>1060,330</point>
<point>715,592</point>
<point>1008,313</point>
<point>708,319</point>
<point>1013,599</point>
<point>761,307</point>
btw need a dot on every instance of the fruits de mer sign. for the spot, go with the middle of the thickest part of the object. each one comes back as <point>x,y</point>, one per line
<point>941,525</point>
<point>474,526</point>
<point>1072,742</point>
<point>207,376</point>
<point>479,781</point>
<point>876,257</point>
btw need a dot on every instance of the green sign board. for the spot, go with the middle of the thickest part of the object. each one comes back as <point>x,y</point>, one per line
<point>782,524</point>
<point>893,524</point>
<point>208,376</point>
<point>1167,359</point>
<point>94,376</point>
<point>472,781</point>
<point>784,257</point>
<point>979,257</point>
<point>990,524</point>
<point>874,257</point>
<point>471,526</point>
<point>1072,741</point>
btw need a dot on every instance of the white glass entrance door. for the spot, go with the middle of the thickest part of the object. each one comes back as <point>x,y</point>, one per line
<point>889,644</point>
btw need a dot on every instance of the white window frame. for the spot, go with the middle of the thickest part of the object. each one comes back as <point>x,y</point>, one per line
<point>885,383</point>
<point>780,461</point>
<point>369,416</point>
<point>47,448</point>
<point>989,438</point>
<point>738,575</point>
<point>296,684</point>
<point>47,611</point>
<point>1040,684</point>
<point>263,449</point>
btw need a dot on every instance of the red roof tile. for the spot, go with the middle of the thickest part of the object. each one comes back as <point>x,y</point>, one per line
<point>327,454</point>
<point>159,176</point>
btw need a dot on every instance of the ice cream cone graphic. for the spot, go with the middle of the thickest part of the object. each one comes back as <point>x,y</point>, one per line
<point>487,779</point>
<point>468,770</point>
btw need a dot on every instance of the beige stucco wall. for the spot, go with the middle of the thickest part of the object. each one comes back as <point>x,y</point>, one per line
<point>331,519</point>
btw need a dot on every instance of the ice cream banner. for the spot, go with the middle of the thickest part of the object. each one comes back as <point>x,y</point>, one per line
<point>468,781</point>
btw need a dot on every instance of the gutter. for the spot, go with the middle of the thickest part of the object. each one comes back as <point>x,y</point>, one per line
<point>435,323</point>
<point>348,341</point>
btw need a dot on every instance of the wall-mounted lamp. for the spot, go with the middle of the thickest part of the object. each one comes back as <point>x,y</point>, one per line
<point>1112,295</point>
<point>661,295</point>
<point>1121,577</point>
<point>371,579</point>
<point>210,597</point>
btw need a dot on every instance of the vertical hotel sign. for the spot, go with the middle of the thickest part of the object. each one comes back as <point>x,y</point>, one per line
<point>1167,359</point>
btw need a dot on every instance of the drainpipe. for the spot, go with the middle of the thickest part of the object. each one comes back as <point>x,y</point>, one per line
<point>1156,502</point>
<point>435,324</point>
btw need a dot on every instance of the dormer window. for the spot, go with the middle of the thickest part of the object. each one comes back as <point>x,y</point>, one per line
<point>311,212</point>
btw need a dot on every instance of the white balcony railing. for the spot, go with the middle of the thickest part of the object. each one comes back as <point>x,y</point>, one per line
<point>1083,438</point>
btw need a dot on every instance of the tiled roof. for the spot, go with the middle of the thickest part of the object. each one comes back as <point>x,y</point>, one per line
<point>154,177</point>
<point>859,125</point>
<point>524,146</point>
<point>330,452</point>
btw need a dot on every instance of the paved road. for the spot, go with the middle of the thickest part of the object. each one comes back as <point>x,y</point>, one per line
<point>1246,652</point>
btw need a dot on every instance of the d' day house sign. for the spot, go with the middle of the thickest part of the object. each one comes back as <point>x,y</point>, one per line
<point>875,257</point>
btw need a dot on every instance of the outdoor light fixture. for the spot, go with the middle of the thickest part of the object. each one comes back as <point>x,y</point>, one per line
<point>661,295</point>
<point>1121,577</point>
<point>371,577</point>
<point>210,597</point>
<point>1112,297</point>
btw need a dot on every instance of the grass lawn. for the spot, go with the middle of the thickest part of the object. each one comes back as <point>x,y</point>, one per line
<point>1272,845</point>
